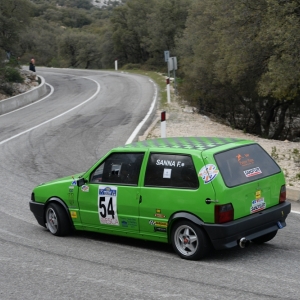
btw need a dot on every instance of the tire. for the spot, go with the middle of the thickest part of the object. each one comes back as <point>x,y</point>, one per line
<point>265,238</point>
<point>189,240</point>
<point>57,220</point>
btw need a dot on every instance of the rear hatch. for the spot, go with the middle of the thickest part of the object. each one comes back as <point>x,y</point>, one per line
<point>249,178</point>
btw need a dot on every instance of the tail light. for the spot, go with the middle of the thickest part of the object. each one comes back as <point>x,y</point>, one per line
<point>223,213</point>
<point>282,196</point>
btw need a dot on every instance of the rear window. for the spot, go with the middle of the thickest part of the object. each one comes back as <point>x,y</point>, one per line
<point>171,170</point>
<point>245,164</point>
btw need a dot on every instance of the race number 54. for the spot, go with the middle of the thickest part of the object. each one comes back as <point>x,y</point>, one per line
<point>107,205</point>
<point>106,209</point>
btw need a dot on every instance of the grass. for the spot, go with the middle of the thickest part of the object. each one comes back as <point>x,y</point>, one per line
<point>159,79</point>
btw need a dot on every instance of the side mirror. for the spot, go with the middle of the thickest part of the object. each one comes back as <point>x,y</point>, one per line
<point>81,182</point>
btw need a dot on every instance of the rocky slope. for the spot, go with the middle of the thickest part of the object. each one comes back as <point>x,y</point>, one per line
<point>30,81</point>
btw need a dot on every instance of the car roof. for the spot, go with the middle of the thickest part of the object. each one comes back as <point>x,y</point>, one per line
<point>187,143</point>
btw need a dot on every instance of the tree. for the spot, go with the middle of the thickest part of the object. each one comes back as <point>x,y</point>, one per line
<point>228,52</point>
<point>165,24</point>
<point>129,27</point>
<point>80,49</point>
<point>40,41</point>
<point>14,18</point>
<point>142,30</point>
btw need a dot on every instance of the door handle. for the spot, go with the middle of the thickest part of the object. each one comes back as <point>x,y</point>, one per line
<point>209,201</point>
<point>140,200</point>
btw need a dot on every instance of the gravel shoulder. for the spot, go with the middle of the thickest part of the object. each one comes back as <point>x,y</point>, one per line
<point>183,121</point>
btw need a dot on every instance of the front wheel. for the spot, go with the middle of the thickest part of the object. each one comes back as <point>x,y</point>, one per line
<point>57,220</point>
<point>265,238</point>
<point>189,240</point>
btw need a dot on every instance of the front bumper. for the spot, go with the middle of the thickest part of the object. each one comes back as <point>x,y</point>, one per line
<point>227,235</point>
<point>38,211</point>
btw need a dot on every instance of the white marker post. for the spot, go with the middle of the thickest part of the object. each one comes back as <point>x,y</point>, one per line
<point>116,65</point>
<point>163,124</point>
<point>168,90</point>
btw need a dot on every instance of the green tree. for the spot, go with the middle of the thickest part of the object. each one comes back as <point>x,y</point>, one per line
<point>142,30</point>
<point>229,50</point>
<point>129,29</point>
<point>165,24</point>
<point>40,41</point>
<point>81,49</point>
<point>75,18</point>
<point>14,18</point>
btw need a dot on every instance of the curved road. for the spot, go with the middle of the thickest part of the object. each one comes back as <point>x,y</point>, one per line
<point>87,113</point>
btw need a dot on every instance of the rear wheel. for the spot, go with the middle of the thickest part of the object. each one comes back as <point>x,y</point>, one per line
<point>57,220</point>
<point>265,238</point>
<point>189,240</point>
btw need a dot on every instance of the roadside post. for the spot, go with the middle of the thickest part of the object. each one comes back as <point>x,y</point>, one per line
<point>168,90</point>
<point>116,65</point>
<point>167,56</point>
<point>163,125</point>
<point>172,66</point>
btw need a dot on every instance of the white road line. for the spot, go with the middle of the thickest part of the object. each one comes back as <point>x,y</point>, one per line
<point>51,92</point>
<point>295,212</point>
<point>135,132</point>
<point>66,112</point>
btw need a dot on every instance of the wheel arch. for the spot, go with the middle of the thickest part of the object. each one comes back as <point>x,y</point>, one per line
<point>63,204</point>
<point>180,216</point>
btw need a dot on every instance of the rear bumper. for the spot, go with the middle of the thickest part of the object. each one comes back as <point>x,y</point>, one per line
<point>227,235</point>
<point>38,211</point>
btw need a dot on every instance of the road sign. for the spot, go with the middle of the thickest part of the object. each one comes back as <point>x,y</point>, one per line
<point>172,63</point>
<point>167,55</point>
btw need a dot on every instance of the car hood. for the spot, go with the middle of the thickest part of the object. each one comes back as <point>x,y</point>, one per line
<point>68,179</point>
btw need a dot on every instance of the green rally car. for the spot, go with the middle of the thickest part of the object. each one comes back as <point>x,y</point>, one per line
<point>195,193</point>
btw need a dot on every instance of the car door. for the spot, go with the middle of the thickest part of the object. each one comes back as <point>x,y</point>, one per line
<point>109,200</point>
<point>171,185</point>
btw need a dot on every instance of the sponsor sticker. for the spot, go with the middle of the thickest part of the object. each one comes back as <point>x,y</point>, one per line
<point>167,173</point>
<point>128,222</point>
<point>85,188</point>
<point>160,216</point>
<point>73,214</point>
<point>244,159</point>
<point>208,173</point>
<point>257,205</point>
<point>252,172</point>
<point>158,223</point>
<point>257,194</point>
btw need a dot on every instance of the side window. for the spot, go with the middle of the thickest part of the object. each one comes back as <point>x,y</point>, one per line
<point>171,170</point>
<point>119,168</point>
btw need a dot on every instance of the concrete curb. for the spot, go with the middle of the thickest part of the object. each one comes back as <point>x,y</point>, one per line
<point>293,194</point>
<point>26,98</point>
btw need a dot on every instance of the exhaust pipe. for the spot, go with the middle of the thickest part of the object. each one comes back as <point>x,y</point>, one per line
<point>243,242</point>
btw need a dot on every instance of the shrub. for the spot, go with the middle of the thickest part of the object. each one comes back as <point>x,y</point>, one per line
<point>6,88</point>
<point>12,75</point>
<point>131,67</point>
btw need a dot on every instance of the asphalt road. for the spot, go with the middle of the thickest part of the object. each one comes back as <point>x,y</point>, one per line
<point>87,113</point>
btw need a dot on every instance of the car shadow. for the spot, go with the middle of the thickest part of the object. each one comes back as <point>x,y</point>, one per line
<point>127,241</point>
<point>214,255</point>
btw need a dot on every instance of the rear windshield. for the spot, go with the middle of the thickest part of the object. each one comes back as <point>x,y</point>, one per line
<point>245,164</point>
